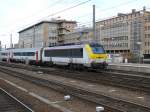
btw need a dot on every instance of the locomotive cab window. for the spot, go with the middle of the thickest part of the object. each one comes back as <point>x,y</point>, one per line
<point>97,48</point>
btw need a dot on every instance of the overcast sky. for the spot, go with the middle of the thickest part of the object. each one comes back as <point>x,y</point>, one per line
<point>18,14</point>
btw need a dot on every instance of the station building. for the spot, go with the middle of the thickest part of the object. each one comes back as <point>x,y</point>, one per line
<point>126,34</point>
<point>45,33</point>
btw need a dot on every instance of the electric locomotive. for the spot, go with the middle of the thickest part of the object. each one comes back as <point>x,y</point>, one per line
<point>91,55</point>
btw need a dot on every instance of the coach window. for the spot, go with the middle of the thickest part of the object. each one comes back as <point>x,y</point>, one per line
<point>17,54</point>
<point>30,53</point>
<point>23,53</point>
<point>4,54</point>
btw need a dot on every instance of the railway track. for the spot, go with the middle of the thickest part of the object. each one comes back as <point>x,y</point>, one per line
<point>114,104</point>
<point>8,103</point>
<point>132,81</point>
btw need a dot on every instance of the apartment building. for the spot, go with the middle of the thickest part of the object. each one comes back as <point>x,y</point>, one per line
<point>127,34</point>
<point>45,33</point>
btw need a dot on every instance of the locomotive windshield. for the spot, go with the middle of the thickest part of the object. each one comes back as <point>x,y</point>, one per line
<point>97,48</point>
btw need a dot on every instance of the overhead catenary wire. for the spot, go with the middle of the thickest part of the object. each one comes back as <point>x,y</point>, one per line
<point>50,6</point>
<point>114,7</point>
<point>69,8</point>
<point>106,9</point>
<point>66,9</point>
<point>118,5</point>
<point>116,16</point>
<point>40,11</point>
<point>89,23</point>
<point>61,11</point>
<point>103,10</point>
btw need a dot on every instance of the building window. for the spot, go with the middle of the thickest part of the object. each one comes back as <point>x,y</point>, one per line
<point>145,27</point>
<point>148,35</point>
<point>134,15</point>
<point>145,43</point>
<point>148,27</point>
<point>145,35</point>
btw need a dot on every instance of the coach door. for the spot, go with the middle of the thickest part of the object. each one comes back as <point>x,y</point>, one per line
<point>36,57</point>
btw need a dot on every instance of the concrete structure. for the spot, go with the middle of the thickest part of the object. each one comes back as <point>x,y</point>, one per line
<point>0,46</point>
<point>45,33</point>
<point>79,35</point>
<point>127,34</point>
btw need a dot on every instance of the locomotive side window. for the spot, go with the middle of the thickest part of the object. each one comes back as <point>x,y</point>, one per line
<point>77,53</point>
<point>74,53</point>
<point>60,53</point>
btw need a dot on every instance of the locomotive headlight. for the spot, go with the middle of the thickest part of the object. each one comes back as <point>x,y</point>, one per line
<point>107,55</point>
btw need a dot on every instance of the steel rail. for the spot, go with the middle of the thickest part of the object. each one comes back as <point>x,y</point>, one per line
<point>129,81</point>
<point>118,105</point>
<point>23,107</point>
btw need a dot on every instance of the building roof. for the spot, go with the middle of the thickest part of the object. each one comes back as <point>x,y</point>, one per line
<point>46,21</point>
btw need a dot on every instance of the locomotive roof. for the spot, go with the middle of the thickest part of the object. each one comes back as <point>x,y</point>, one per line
<point>66,46</point>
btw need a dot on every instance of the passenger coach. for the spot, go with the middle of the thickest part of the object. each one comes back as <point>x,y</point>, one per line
<point>26,55</point>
